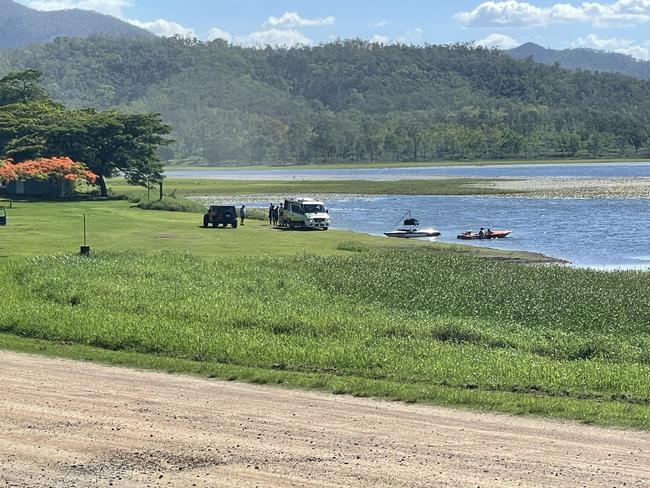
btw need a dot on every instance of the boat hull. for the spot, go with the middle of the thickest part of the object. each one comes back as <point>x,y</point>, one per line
<point>416,234</point>
<point>496,234</point>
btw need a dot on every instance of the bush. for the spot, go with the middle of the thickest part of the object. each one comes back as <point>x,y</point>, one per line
<point>257,213</point>
<point>173,205</point>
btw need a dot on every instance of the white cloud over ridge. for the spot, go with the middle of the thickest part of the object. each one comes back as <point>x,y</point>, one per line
<point>379,39</point>
<point>292,19</point>
<point>513,13</point>
<point>498,41</point>
<point>216,33</point>
<point>109,7</point>
<point>617,45</point>
<point>274,38</point>
<point>165,28</point>
<point>160,27</point>
<point>411,37</point>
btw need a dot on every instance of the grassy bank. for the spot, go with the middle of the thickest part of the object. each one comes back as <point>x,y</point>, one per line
<point>44,228</point>
<point>211,187</point>
<point>394,164</point>
<point>413,325</point>
<point>331,310</point>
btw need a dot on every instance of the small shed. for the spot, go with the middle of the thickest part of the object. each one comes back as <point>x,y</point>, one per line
<point>40,188</point>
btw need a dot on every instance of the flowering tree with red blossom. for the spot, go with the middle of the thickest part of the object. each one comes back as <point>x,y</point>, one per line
<point>59,169</point>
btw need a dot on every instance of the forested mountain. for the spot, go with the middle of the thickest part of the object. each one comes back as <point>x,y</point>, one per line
<point>21,26</point>
<point>348,101</point>
<point>585,59</point>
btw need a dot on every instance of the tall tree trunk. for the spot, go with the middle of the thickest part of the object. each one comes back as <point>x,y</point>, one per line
<point>103,191</point>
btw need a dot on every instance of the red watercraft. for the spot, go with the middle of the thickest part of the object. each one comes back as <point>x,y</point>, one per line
<point>493,234</point>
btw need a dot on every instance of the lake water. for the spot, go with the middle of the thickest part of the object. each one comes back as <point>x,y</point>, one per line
<point>581,170</point>
<point>602,233</point>
<point>597,233</point>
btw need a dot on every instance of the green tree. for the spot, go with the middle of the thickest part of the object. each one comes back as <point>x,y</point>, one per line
<point>112,143</point>
<point>109,143</point>
<point>22,87</point>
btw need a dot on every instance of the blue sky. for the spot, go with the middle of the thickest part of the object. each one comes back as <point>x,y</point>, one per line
<point>611,25</point>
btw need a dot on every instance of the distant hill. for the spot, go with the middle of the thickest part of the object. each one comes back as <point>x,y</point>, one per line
<point>585,59</point>
<point>21,26</point>
<point>347,100</point>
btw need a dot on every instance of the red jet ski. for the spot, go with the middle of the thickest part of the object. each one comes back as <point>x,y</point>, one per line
<point>493,234</point>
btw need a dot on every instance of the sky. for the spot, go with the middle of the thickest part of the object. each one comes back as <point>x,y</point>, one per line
<point>610,25</point>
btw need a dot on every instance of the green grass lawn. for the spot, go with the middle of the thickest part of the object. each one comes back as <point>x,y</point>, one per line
<point>44,228</point>
<point>331,310</point>
<point>54,228</point>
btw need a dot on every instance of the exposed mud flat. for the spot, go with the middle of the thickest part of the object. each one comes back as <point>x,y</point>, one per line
<point>71,424</point>
<point>560,187</point>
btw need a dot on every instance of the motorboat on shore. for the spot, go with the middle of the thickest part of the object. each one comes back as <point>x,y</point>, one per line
<point>411,230</point>
<point>491,234</point>
<point>412,234</point>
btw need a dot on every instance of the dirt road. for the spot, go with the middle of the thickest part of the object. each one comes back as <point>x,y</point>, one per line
<point>70,424</point>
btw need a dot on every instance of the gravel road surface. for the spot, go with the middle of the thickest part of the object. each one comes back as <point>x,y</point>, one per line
<point>73,424</point>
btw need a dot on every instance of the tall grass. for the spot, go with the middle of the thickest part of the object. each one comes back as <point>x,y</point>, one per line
<point>171,204</point>
<point>415,318</point>
<point>181,204</point>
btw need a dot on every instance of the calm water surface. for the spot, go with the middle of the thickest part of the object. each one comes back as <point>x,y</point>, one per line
<point>602,233</point>
<point>582,170</point>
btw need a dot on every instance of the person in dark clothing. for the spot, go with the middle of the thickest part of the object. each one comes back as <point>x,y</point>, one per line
<point>242,214</point>
<point>271,212</point>
<point>276,215</point>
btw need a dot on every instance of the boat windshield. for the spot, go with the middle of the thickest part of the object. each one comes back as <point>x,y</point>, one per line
<point>313,208</point>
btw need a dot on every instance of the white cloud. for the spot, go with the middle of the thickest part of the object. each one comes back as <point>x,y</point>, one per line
<point>615,44</point>
<point>379,23</point>
<point>499,41</point>
<point>216,33</point>
<point>411,37</point>
<point>160,27</point>
<point>292,19</point>
<point>165,28</point>
<point>380,39</point>
<point>512,13</point>
<point>109,7</point>
<point>274,38</point>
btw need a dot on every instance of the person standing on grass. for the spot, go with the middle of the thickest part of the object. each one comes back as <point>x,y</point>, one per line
<point>271,210</point>
<point>276,215</point>
<point>242,214</point>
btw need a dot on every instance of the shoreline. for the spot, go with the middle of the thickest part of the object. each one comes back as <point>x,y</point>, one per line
<point>515,255</point>
<point>419,164</point>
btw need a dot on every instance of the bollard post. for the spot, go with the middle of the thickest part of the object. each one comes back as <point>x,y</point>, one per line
<point>85,249</point>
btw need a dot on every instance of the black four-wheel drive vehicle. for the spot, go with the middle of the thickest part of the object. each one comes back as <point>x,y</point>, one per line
<point>220,215</point>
